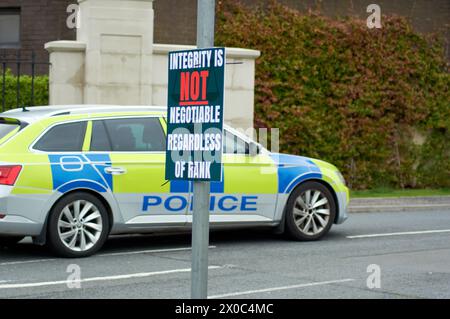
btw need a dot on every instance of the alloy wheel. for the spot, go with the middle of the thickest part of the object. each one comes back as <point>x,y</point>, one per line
<point>80,225</point>
<point>311,212</point>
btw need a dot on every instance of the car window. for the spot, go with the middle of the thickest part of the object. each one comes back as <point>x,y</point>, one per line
<point>100,140</point>
<point>6,128</point>
<point>129,135</point>
<point>233,144</point>
<point>63,138</point>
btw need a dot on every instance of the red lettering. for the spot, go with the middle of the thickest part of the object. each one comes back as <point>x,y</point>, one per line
<point>195,86</point>
<point>204,75</point>
<point>190,87</point>
<point>184,86</point>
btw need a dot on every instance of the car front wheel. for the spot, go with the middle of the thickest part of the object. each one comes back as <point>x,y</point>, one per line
<point>78,225</point>
<point>311,210</point>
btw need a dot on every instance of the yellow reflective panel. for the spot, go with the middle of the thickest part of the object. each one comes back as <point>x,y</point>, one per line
<point>145,173</point>
<point>163,124</point>
<point>329,175</point>
<point>87,137</point>
<point>30,191</point>
<point>249,174</point>
<point>36,172</point>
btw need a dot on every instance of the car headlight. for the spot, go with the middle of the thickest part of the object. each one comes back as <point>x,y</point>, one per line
<point>341,178</point>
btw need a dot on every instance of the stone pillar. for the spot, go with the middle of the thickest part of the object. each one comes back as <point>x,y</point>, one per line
<point>118,64</point>
<point>66,76</point>
<point>114,61</point>
<point>240,87</point>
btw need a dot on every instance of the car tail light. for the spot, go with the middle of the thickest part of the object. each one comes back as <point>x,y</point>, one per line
<point>9,174</point>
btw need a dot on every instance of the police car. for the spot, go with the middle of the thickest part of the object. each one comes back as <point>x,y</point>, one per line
<point>70,176</point>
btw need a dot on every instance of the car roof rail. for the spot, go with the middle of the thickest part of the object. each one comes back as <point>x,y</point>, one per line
<point>107,109</point>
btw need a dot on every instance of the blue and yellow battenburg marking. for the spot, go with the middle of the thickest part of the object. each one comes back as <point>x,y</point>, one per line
<point>72,171</point>
<point>292,170</point>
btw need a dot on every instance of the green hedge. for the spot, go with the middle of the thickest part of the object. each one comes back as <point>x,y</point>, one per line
<point>40,90</point>
<point>374,102</point>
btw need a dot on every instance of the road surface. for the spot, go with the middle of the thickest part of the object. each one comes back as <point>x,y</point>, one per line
<point>410,251</point>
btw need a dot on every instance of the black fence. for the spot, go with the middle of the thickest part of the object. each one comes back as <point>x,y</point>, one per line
<point>20,63</point>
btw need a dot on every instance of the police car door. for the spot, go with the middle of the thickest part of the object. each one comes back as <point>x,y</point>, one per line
<point>137,153</point>
<point>249,188</point>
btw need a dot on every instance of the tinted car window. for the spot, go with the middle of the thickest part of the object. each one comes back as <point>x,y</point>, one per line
<point>6,128</point>
<point>63,138</point>
<point>100,141</point>
<point>233,144</point>
<point>130,135</point>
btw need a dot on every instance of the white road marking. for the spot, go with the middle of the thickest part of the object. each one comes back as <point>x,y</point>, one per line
<point>150,251</point>
<point>249,292</point>
<point>436,231</point>
<point>25,262</point>
<point>92,279</point>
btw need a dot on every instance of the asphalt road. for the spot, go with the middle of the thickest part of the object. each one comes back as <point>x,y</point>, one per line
<point>411,249</point>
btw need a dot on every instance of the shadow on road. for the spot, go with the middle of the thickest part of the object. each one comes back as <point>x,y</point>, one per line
<point>130,243</point>
<point>27,250</point>
<point>158,241</point>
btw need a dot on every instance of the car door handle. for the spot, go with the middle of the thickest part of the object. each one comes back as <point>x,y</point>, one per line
<point>115,170</point>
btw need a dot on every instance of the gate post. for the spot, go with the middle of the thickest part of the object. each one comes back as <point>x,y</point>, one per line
<point>66,76</point>
<point>119,44</point>
<point>111,61</point>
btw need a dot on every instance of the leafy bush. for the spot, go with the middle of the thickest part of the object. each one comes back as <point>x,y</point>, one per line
<point>360,98</point>
<point>40,90</point>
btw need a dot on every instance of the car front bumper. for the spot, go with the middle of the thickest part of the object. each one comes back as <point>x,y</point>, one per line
<point>343,200</point>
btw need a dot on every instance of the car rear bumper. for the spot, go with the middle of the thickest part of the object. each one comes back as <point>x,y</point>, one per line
<point>24,214</point>
<point>19,225</point>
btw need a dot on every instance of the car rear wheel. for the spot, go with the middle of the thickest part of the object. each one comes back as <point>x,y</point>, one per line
<point>6,241</point>
<point>311,210</point>
<point>78,225</point>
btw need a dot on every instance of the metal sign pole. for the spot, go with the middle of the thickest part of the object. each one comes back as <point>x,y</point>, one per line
<point>200,216</point>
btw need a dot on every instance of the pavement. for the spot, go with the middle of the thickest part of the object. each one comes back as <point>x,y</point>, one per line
<point>389,254</point>
<point>364,205</point>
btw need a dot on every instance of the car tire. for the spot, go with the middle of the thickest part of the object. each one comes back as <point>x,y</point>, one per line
<point>310,212</point>
<point>7,241</point>
<point>78,225</point>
